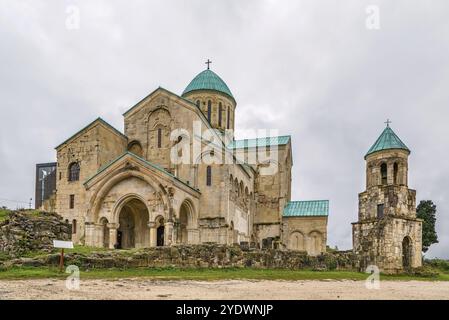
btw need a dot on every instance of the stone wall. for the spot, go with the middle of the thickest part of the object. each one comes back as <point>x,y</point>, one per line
<point>202,256</point>
<point>26,231</point>
<point>305,233</point>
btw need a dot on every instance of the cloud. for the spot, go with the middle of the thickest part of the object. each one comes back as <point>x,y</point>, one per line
<point>307,68</point>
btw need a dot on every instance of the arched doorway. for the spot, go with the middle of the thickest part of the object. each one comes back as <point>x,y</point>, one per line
<point>160,232</point>
<point>133,231</point>
<point>104,222</point>
<point>407,253</point>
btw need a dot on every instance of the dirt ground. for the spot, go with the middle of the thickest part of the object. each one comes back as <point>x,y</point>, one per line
<point>229,289</point>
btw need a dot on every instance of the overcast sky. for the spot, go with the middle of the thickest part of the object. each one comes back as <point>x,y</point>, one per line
<point>311,69</point>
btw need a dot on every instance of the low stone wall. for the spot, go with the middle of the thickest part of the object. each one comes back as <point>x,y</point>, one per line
<point>26,231</point>
<point>200,256</point>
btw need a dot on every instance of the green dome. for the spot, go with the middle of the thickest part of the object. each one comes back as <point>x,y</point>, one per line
<point>387,140</point>
<point>208,80</point>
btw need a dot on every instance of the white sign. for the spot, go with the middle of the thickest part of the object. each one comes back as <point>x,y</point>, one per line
<point>63,244</point>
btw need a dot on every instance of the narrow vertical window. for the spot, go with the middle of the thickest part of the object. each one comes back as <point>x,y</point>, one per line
<point>228,117</point>
<point>198,103</point>
<point>380,211</point>
<point>209,110</point>
<point>220,110</point>
<point>159,138</point>
<point>395,173</point>
<point>209,176</point>
<point>72,201</point>
<point>73,226</point>
<point>383,173</point>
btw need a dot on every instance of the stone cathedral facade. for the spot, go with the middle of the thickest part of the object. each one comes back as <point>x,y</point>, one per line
<point>388,234</point>
<point>123,190</point>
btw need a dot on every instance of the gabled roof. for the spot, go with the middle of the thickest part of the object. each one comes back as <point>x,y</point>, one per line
<point>306,208</point>
<point>208,80</point>
<point>145,162</point>
<point>98,120</point>
<point>259,142</point>
<point>387,140</point>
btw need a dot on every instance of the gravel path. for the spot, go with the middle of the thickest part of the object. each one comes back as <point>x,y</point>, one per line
<point>228,289</point>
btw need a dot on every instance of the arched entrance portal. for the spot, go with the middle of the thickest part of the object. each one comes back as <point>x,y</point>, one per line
<point>406,253</point>
<point>133,231</point>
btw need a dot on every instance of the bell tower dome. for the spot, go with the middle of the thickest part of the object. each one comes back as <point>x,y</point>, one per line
<point>211,94</point>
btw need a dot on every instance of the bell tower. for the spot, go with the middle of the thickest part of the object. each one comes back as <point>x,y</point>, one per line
<point>387,233</point>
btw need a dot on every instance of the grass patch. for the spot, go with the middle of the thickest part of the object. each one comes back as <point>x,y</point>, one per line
<point>4,214</point>
<point>204,274</point>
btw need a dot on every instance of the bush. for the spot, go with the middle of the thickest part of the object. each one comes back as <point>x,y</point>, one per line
<point>439,264</point>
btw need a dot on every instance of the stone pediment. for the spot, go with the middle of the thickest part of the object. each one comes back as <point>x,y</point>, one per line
<point>129,162</point>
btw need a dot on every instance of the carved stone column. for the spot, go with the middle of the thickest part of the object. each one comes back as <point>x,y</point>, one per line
<point>113,227</point>
<point>153,233</point>
<point>168,233</point>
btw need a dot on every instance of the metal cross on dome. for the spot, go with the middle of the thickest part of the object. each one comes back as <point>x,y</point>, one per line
<point>208,62</point>
<point>387,122</point>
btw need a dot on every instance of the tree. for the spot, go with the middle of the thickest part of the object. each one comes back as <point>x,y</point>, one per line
<point>427,210</point>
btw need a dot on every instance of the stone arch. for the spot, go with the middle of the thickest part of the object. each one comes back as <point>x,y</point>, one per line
<point>132,215</point>
<point>135,147</point>
<point>315,242</point>
<point>187,222</point>
<point>297,241</point>
<point>115,178</point>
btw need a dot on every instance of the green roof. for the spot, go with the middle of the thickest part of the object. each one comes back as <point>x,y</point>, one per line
<point>208,80</point>
<point>259,142</point>
<point>306,208</point>
<point>387,140</point>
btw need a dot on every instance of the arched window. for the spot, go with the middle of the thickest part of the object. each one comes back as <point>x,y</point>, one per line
<point>220,110</point>
<point>136,148</point>
<point>159,138</point>
<point>383,173</point>
<point>209,176</point>
<point>228,117</point>
<point>395,173</point>
<point>74,171</point>
<point>209,110</point>
<point>198,103</point>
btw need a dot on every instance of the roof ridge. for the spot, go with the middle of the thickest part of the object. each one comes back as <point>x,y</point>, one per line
<point>99,119</point>
<point>153,165</point>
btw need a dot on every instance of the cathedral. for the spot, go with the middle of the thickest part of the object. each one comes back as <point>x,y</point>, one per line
<point>176,175</point>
